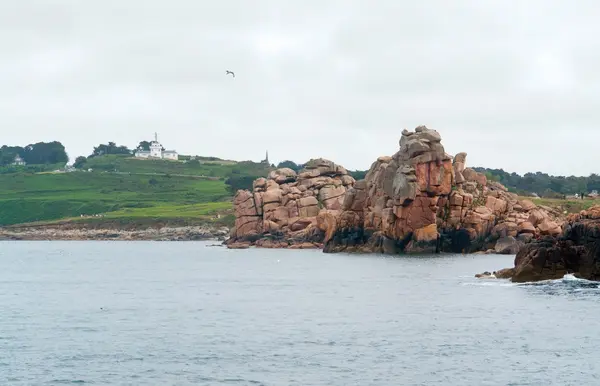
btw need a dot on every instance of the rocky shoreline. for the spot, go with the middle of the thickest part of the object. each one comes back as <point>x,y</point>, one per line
<point>70,232</point>
<point>576,251</point>
<point>419,200</point>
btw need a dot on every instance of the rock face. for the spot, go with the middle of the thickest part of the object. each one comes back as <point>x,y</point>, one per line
<point>288,209</point>
<point>576,250</point>
<point>421,200</point>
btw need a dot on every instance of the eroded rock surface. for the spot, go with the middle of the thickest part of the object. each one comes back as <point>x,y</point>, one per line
<point>422,200</point>
<point>419,200</point>
<point>576,251</point>
<point>289,209</point>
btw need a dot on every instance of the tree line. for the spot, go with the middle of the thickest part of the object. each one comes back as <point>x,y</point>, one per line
<point>36,153</point>
<point>543,184</point>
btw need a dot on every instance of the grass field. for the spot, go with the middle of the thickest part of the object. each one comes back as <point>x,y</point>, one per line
<point>42,197</point>
<point>569,206</point>
<point>206,168</point>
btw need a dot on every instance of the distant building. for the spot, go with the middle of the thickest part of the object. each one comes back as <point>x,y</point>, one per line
<point>266,160</point>
<point>156,151</point>
<point>19,161</point>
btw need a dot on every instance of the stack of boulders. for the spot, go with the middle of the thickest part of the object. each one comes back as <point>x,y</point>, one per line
<point>576,251</point>
<point>284,209</point>
<point>489,214</point>
<point>395,207</point>
<point>421,199</point>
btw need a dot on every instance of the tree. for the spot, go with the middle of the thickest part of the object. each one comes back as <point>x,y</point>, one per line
<point>144,145</point>
<point>358,174</point>
<point>111,148</point>
<point>79,162</point>
<point>289,164</point>
<point>45,153</point>
<point>235,183</point>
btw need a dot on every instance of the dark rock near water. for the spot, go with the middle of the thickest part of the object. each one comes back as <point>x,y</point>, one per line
<point>576,251</point>
<point>508,246</point>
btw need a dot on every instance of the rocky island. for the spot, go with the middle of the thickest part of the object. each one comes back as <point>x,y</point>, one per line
<point>419,200</point>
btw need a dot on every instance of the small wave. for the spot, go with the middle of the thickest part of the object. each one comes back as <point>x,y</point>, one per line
<point>568,279</point>
<point>491,283</point>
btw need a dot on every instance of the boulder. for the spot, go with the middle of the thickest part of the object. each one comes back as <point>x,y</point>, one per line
<point>283,175</point>
<point>508,246</point>
<point>526,227</point>
<point>575,251</point>
<point>550,228</point>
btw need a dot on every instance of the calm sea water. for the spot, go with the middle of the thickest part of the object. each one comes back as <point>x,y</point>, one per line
<point>151,313</point>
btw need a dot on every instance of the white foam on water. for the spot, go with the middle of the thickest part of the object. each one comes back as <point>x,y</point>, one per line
<point>490,283</point>
<point>571,277</point>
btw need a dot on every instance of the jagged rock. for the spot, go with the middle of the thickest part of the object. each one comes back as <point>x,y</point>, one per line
<point>418,200</point>
<point>508,246</point>
<point>421,187</point>
<point>574,251</point>
<point>287,205</point>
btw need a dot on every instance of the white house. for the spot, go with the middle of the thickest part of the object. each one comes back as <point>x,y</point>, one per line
<point>156,151</point>
<point>19,161</point>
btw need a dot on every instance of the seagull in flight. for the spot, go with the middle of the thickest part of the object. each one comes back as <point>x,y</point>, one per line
<point>227,72</point>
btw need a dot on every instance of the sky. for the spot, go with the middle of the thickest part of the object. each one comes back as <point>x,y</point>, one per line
<point>515,84</point>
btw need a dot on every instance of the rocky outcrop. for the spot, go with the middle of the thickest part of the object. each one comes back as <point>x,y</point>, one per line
<point>291,209</point>
<point>422,200</point>
<point>576,250</point>
<point>395,207</point>
<point>419,200</point>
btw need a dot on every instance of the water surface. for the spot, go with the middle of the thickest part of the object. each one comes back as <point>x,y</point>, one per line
<point>160,313</point>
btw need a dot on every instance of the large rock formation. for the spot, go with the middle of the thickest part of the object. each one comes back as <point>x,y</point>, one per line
<point>419,200</point>
<point>286,208</point>
<point>576,250</point>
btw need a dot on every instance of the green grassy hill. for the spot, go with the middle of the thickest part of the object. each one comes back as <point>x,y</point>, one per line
<point>42,197</point>
<point>200,167</point>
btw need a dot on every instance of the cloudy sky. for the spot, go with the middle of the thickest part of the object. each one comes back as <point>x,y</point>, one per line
<point>514,83</point>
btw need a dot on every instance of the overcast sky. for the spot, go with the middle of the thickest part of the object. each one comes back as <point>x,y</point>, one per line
<point>514,83</point>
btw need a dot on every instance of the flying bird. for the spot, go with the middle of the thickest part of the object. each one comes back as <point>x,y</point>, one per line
<point>227,72</point>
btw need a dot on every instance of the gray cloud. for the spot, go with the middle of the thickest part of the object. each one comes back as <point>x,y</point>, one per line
<point>513,83</point>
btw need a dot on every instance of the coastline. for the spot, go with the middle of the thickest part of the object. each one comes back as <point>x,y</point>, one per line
<point>66,232</point>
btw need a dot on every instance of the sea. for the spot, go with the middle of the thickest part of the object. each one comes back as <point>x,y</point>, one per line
<point>192,313</point>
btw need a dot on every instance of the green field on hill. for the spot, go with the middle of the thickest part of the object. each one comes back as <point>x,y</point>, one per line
<point>43,197</point>
<point>221,169</point>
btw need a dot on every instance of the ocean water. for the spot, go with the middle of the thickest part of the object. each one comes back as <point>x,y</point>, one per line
<point>160,313</point>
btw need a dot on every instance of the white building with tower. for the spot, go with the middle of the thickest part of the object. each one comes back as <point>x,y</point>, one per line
<point>156,151</point>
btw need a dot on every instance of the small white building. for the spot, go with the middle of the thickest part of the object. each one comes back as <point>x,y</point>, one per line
<point>156,151</point>
<point>19,161</point>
